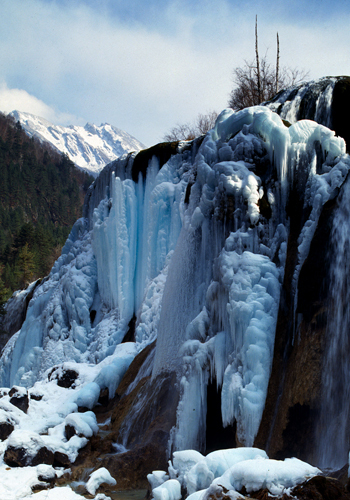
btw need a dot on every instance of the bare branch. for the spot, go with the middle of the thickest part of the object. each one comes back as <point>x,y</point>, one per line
<point>277,62</point>
<point>257,59</point>
<point>257,82</point>
<point>188,131</point>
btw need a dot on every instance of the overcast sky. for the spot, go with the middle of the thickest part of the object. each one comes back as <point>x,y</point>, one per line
<point>146,65</point>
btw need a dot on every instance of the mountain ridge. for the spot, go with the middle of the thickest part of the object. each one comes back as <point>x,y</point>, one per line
<point>90,146</point>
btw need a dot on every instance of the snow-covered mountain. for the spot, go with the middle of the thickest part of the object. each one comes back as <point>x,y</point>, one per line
<point>90,147</point>
<point>228,251</point>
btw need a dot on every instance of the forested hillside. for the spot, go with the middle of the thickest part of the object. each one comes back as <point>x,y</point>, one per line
<point>41,197</point>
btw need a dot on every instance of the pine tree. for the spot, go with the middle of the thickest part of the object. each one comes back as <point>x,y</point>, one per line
<point>41,197</point>
<point>25,266</point>
<point>4,292</point>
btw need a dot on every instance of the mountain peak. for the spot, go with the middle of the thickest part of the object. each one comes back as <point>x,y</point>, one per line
<point>90,147</point>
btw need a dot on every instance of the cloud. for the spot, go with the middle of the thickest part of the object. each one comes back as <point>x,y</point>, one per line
<point>144,70</point>
<point>138,78</point>
<point>20,100</point>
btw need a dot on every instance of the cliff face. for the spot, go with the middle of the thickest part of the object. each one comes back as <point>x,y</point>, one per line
<point>223,252</point>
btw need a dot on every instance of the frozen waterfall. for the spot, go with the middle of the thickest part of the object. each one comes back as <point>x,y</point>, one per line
<point>192,249</point>
<point>333,431</point>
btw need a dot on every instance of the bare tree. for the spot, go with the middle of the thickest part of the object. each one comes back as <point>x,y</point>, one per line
<point>257,59</point>
<point>259,81</point>
<point>189,131</point>
<point>277,63</point>
<point>181,132</point>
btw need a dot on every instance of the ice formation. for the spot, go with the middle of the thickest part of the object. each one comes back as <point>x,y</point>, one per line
<point>192,248</point>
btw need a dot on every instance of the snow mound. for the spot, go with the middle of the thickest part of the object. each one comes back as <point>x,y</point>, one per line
<point>229,470</point>
<point>97,478</point>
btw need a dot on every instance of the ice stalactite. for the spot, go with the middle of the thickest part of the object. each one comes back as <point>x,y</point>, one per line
<point>333,431</point>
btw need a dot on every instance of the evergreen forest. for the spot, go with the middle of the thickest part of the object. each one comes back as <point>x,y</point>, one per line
<point>41,196</point>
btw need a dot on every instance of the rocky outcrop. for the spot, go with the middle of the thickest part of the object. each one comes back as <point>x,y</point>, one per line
<point>321,488</point>
<point>326,101</point>
<point>317,488</point>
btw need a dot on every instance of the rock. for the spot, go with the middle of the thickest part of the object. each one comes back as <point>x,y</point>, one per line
<point>321,488</point>
<point>5,429</point>
<point>15,457</point>
<point>69,431</point>
<point>3,392</point>
<point>81,490</point>
<point>19,398</point>
<point>288,427</point>
<point>26,448</point>
<point>46,476</point>
<point>61,460</point>
<point>15,390</point>
<point>21,402</point>
<point>36,397</point>
<point>341,475</point>
<point>40,487</point>
<point>43,456</point>
<point>46,473</point>
<point>104,397</point>
<point>317,488</point>
<point>65,377</point>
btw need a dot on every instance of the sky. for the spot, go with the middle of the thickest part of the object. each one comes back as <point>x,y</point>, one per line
<point>146,66</point>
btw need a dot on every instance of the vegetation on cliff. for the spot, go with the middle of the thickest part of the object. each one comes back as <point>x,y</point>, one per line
<point>40,198</point>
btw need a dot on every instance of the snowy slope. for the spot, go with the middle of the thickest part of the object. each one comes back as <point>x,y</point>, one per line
<point>90,147</point>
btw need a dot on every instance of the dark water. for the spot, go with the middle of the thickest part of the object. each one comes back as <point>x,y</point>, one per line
<point>128,495</point>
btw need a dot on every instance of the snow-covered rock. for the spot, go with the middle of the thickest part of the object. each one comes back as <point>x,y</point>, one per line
<point>98,477</point>
<point>231,471</point>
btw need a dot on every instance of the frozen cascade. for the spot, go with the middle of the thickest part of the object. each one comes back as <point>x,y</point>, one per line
<point>333,432</point>
<point>196,250</point>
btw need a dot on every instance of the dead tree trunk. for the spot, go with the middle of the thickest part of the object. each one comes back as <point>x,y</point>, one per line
<point>257,60</point>
<point>277,62</point>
